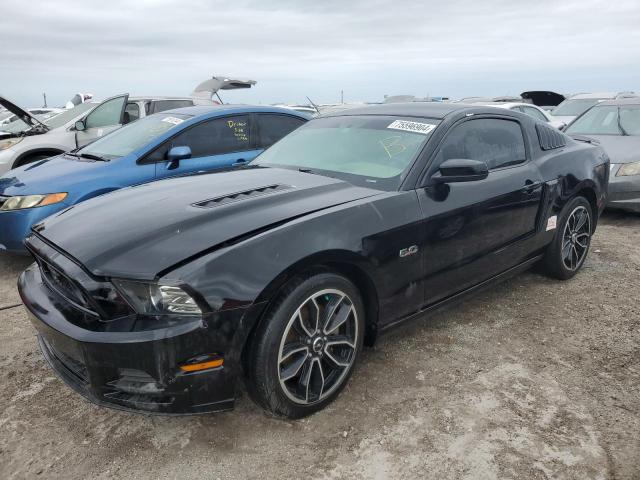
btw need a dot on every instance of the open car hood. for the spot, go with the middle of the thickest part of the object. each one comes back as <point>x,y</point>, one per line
<point>543,98</point>
<point>22,114</point>
<point>208,88</point>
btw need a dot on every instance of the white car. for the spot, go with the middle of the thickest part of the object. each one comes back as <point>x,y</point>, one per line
<point>576,105</point>
<point>529,109</point>
<point>6,117</point>
<point>28,139</point>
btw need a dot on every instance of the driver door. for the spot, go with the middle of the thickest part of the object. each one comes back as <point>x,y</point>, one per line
<point>478,229</point>
<point>103,119</point>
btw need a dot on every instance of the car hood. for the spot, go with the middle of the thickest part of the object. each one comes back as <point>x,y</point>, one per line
<point>139,232</point>
<point>620,148</point>
<point>62,173</point>
<point>22,114</point>
<point>563,118</point>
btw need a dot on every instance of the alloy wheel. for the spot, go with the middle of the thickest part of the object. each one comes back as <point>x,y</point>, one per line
<point>318,347</point>
<point>576,238</point>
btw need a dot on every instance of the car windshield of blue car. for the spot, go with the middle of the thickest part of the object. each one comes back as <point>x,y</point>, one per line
<point>573,108</point>
<point>133,136</point>
<point>608,120</point>
<point>369,150</point>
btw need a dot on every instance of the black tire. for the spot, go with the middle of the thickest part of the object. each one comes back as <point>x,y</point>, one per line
<point>277,347</point>
<point>556,263</point>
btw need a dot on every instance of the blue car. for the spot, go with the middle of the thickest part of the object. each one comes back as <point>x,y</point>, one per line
<point>166,144</point>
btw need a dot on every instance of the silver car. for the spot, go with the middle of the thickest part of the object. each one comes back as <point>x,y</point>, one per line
<point>615,124</point>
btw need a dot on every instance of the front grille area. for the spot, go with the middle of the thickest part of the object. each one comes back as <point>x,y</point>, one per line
<point>64,286</point>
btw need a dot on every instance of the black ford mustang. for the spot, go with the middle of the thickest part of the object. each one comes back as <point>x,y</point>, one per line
<point>160,297</point>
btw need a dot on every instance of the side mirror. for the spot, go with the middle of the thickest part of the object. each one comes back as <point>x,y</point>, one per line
<point>79,125</point>
<point>461,170</point>
<point>175,155</point>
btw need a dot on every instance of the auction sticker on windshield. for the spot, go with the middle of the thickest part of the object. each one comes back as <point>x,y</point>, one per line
<point>173,120</point>
<point>416,127</point>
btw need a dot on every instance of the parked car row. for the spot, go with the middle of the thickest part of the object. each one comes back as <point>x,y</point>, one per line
<point>277,270</point>
<point>32,139</point>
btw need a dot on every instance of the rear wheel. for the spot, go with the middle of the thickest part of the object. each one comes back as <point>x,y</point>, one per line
<point>304,352</point>
<point>568,252</point>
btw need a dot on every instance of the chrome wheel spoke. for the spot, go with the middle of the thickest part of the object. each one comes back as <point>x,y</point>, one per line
<point>341,340</point>
<point>293,368</point>
<point>303,328</point>
<point>340,316</point>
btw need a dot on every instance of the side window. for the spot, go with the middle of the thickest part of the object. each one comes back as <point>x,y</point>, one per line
<point>535,113</point>
<point>106,114</point>
<point>162,105</point>
<point>131,113</point>
<point>497,142</point>
<point>214,137</point>
<point>272,127</point>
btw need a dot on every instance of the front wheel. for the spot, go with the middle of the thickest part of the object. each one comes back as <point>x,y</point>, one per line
<point>568,251</point>
<point>304,352</point>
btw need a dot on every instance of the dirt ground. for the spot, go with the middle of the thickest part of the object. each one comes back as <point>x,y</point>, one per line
<point>533,379</point>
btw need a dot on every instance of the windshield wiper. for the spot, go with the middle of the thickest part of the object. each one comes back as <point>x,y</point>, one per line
<point>91,156</point>
<point>624,132</point>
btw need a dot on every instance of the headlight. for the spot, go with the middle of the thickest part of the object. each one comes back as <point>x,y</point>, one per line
<point>629,169</point>
<point>154,299</point>
<point>9,143</point>
<point>30,201</point>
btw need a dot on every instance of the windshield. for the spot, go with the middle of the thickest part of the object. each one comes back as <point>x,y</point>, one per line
<point>573,108</point>
<point>608,120</point>
<point>373,151</point>
<point>133,136</point>
<point>68,115</point>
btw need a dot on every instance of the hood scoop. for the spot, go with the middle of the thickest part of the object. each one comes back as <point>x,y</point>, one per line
<point>244,195</point>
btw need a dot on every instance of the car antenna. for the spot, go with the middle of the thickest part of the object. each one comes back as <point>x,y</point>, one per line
<point>313,105</point>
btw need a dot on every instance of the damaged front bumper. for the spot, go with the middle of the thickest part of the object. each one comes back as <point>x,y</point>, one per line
<point>136,370</point>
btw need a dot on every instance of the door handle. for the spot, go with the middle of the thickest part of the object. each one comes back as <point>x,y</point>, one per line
<point>530,186</point>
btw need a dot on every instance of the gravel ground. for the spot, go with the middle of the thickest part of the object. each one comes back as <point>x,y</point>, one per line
<point>533,379</point>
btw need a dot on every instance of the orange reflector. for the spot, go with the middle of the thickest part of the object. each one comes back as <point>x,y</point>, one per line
<point>52,198</point>
<point>194,367</point>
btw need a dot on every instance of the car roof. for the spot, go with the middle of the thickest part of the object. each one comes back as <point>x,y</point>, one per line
<point>599,95</point>
<point>158,97</point>
<point>622,101</point>
<point>504,104</point>
<point>413,109</point>
<point>198,110</point>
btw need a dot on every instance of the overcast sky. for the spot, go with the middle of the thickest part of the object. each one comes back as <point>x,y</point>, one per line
<point>295,48</point>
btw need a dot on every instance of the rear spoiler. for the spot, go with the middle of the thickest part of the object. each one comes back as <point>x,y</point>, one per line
<point>207,89</point>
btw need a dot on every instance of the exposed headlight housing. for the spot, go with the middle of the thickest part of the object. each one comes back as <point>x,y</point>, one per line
<point>154,299</point>
<point>30,201</point>
<point>4,144</point>
<point>629,169</point>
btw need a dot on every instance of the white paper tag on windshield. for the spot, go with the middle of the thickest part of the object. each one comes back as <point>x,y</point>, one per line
<point>415,127</point>
<point>174,120</point>
<point>552,223</point>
